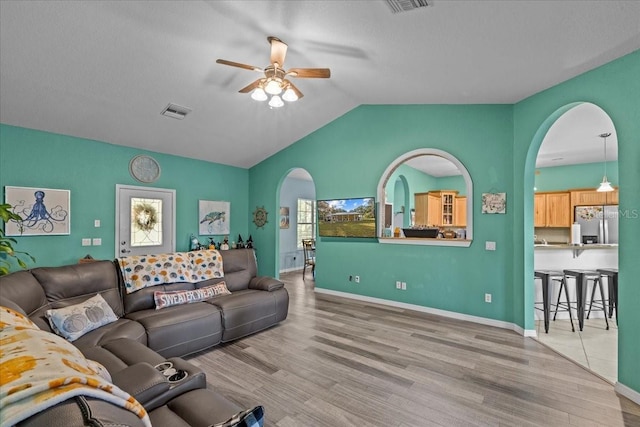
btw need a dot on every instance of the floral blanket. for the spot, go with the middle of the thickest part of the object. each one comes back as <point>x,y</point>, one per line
<point>141,271</point>
<point>39,370</point>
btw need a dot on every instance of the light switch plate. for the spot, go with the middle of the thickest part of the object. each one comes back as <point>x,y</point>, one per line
<point>490,246</point>
<point>86,242</point>
<point>96,223</point>
<point>97,242</point>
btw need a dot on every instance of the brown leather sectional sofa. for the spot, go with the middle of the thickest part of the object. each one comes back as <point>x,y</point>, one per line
<point>143,337</point>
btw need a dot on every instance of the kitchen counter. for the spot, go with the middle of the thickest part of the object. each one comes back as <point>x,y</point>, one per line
<point>575,247</point>
<point>572,257</point>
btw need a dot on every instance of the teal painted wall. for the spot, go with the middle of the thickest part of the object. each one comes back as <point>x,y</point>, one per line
<point>347,157</point>
<point>615,88</point>
<point>91,170</point>
<point>588,175</point>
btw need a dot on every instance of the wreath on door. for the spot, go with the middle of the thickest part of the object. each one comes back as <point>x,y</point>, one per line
<point>145,216</point>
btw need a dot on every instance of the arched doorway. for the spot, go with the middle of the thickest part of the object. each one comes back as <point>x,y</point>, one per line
<point>296,195</point>
<point>567,154</point>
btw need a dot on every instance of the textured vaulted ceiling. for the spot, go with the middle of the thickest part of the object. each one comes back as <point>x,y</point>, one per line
<point>105,70</point>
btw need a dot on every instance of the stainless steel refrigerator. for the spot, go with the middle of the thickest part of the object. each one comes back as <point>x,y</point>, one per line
<point>598,224</point>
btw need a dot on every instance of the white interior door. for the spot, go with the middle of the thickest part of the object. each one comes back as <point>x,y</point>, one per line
<point>145,220</point>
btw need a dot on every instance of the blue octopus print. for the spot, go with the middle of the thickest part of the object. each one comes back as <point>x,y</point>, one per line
<point>37,217</point>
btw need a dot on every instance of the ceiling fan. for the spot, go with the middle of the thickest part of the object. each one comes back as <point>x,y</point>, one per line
<point>275,80</point>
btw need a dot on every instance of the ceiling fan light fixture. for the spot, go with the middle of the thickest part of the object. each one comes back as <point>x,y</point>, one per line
<point>273,87</point>
<point>289,95</point>
<point>259,94</point>
<point>276,102</point>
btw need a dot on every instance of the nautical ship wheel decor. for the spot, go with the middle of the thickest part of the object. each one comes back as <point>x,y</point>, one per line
<point>260,216</point>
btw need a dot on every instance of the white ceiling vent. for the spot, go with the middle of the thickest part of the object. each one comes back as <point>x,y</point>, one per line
<point>176,111</point>
<point>406,5</point>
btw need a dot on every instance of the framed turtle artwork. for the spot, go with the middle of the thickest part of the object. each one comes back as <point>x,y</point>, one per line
<point>214,217</point>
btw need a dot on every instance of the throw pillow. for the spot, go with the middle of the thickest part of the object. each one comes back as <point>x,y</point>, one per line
<point>170,298</point>
<point>74,321</point>
<point>253,417</point>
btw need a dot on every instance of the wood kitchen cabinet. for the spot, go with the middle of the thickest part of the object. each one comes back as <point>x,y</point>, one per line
<point>428,210</point>
<point>439,208</point>
<point>460,211</point>
<point>591,197</point>
<point>552,209</point>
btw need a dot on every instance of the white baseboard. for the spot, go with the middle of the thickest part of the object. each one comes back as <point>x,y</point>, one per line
<point>627,392</point>
<point>423,309</point>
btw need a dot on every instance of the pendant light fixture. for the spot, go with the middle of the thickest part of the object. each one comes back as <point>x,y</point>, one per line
<point>605,185</point>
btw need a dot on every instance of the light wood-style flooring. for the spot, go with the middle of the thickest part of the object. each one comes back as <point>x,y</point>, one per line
<point>339,362</point>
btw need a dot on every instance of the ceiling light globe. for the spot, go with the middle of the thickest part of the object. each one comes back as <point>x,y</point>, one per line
<point>259,95</point>
<point>276,102</point>
<point>289,95</point>
<point>273,87</point>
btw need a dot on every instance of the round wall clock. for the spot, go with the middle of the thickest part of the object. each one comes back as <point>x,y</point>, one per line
<point>260,217</point>
<point>144,168</point>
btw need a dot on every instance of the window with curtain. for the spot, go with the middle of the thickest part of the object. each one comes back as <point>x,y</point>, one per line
<point>306,224</point>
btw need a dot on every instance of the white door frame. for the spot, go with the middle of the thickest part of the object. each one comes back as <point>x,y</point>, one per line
<point>171,236</point>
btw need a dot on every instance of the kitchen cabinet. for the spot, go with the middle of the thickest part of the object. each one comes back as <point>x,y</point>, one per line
<point>438,209</point>
<point>552,209</point>
<point>460,210</point>
<point>592,197</point>
<point>428,210</point>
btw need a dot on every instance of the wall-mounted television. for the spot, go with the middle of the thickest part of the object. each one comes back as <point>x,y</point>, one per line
<point>355,217</point>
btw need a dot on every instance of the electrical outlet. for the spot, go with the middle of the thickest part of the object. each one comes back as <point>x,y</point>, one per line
<point>487,298</point>
<point>398,285</point>
<point>96,223</point>
<point>404,286</point>
<point>357,279</point>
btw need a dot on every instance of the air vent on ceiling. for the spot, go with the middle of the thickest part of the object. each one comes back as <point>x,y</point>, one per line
<point>406,5</point>
<point>176,111</point>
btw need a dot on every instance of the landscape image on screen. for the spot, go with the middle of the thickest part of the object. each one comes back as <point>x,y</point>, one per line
<point>347,217</point>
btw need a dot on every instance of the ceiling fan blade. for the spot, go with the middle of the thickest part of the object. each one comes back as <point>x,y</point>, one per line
<point>295,89</point>
<point>239,65</point>
<point>278,51</point>
<point>251,87</point>
<point>310,73</point>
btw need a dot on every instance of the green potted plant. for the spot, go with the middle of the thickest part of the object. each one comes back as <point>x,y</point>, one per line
<point>6,243</point>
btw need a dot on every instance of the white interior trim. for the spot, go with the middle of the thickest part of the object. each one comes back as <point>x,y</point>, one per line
<point>627,392</point>
<point>422,152</point>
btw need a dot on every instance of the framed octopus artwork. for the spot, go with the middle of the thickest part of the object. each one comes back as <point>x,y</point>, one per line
<point>43,211</point>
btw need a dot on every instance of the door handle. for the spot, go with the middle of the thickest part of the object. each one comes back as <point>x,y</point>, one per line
<point>125,251</point>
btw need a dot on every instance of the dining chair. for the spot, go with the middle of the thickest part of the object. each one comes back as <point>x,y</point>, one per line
<point>309,247</point>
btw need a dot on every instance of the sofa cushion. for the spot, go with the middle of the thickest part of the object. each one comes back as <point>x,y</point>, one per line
<point>165,299</point>
<point>181,330</point>
<point>239,267</point>
<point>72,284</point>
<point>24,290</point>
<point>74,321</point>
<point>121,328</point>
<point>249,311</point>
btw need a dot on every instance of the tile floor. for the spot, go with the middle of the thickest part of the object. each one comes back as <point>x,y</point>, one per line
<point>595,348</point>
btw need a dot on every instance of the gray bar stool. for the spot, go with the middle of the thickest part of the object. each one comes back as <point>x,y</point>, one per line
<point>612,283</point>
<point>582,278</point>
<point>548,277</point>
